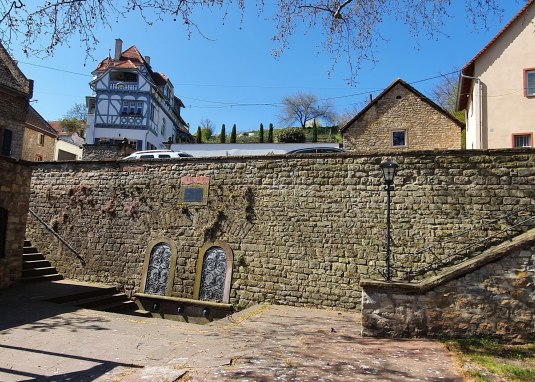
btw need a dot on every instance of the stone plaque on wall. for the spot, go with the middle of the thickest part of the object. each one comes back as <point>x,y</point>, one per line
<point>194,190</point>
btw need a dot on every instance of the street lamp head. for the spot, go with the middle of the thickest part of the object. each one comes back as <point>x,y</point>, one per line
<point>389,171</point>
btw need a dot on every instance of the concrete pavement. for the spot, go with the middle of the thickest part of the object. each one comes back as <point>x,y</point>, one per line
<point>42,341</point>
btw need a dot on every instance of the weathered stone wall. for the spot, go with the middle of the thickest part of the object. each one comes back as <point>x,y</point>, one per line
<point>13,111</point>
<point>106,152</point>
<point>401,109</point>
<point>303,230</point>
<point>496,300</point>
<point>14,197</point>
<point>32,150</point>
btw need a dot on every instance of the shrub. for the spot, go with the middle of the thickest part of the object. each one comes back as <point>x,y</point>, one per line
<point>292,135</point>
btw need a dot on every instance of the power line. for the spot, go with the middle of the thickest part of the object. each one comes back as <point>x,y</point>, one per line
<point>56,69</point>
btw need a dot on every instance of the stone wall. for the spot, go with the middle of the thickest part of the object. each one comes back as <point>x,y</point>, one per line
<point>402,108</point>
<point>106,152</point>
<point>14,197</point>
<point>13,111</point>
<point>490,296</point>
<point>32,150</point>
<point>304,231</point>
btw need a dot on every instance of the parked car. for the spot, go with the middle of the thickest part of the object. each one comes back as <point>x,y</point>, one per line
<point>317,150</point>
<point>158,154</point>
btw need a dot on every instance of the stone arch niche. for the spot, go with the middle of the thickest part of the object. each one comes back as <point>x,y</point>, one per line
<point>214,272</point>
<point>159,267</point>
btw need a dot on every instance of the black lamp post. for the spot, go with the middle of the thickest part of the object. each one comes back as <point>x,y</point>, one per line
<point>389,172</point>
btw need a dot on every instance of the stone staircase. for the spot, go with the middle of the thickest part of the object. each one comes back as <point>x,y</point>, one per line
<point>35,268</point>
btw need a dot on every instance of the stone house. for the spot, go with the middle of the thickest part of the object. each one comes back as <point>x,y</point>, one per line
<point>401,118</point>
<point>39,138</point>
<point>497,87</point>
<point>15,93</point>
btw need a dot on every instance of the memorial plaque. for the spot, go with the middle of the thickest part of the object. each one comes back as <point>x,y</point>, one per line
<point>193,195</point>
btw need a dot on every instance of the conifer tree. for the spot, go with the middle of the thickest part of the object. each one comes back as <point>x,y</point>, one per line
<point>233,134</point>
<point>314,132</point>
<point>261,139</point>
<point>199,135</point>
<point>222,136</point>
<point>270,133</point>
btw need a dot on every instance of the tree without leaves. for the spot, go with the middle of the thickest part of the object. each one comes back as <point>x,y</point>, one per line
<point>78,111</point>
<point>351,28</point>
<point>304,107</point>
<point>445,94</point>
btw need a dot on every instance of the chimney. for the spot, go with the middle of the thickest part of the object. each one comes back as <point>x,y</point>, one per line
<point>147,60</point>
<point>118,49</point>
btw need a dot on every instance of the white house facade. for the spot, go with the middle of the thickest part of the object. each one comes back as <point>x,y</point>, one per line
<point>130,101</point>
<point>497,87</point>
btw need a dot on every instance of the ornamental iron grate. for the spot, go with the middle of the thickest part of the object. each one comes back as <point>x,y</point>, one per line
<point>214,267</point>
<point>158,269</point>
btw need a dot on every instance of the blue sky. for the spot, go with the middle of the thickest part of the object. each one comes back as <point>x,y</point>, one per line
<point>235,64</point>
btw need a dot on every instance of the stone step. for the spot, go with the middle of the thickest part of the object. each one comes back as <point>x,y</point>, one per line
<point>30,264</point>
<point>120,307</point>
<point>27,243</point>
<point>98,302</point>
<point>38,272</point>
<point>29,249</point>
<point>95,292</point>
<point>32,256</point>
<point>141,313</point>
<point>35,279</point>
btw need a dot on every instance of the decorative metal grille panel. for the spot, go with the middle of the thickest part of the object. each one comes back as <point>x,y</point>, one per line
<point>158,269</point>
<point>214,267</point>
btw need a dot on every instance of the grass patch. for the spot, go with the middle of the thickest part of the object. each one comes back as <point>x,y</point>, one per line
<point>485,360</point>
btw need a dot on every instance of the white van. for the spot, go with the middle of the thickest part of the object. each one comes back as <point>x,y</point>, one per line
<point>157,154</point>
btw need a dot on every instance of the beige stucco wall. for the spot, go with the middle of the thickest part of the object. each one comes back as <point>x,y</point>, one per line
<point>401,109</point>
<point>68,147</point>
<point>505,108</point>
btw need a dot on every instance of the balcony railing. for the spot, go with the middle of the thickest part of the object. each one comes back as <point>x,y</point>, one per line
<point>123,85</point>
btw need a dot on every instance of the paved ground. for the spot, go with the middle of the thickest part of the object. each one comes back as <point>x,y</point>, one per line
<point>41,341</point>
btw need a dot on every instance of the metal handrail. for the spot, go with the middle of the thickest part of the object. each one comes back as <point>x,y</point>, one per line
<point>476,246</point>
<point>40,220</point>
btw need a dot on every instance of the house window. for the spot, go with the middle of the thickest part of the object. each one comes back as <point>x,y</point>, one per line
<point>5,141</point>
<point>162,131</point>
<point>123,77</point>
<point>132,108</point>
<point>152,112</point>
<point>522,140</point>
<point>41,140</point>
<point>529,82</point>
<point>399,138</point>
<point>38,158</point>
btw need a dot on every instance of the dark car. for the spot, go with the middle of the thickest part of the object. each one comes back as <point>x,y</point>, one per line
<point>317,150</point>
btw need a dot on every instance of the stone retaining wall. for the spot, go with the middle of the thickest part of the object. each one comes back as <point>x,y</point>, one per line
<point>490,296</point>
<point>303,230</point>
<point>14,198</point>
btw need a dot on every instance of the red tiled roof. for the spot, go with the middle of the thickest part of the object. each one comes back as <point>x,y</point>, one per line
<point>468,69</point>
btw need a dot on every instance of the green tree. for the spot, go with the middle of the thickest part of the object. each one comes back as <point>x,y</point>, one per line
<point>207,129</point>
<point>270,133</point>
<point>233,134</point>
<point>199,135</point>
<point>222,136</point>
<point>73,125</point>
<point>314,132</point>
<point>261,134</point>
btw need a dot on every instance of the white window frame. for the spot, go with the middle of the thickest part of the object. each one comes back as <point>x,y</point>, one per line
<point>404,131</point>
<point>525,137</point>
<point>529,88</point>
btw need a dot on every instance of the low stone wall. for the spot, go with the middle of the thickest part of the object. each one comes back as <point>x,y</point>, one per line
<point>303,230</point>
<point>14,200</point>
<point>492,295</point>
